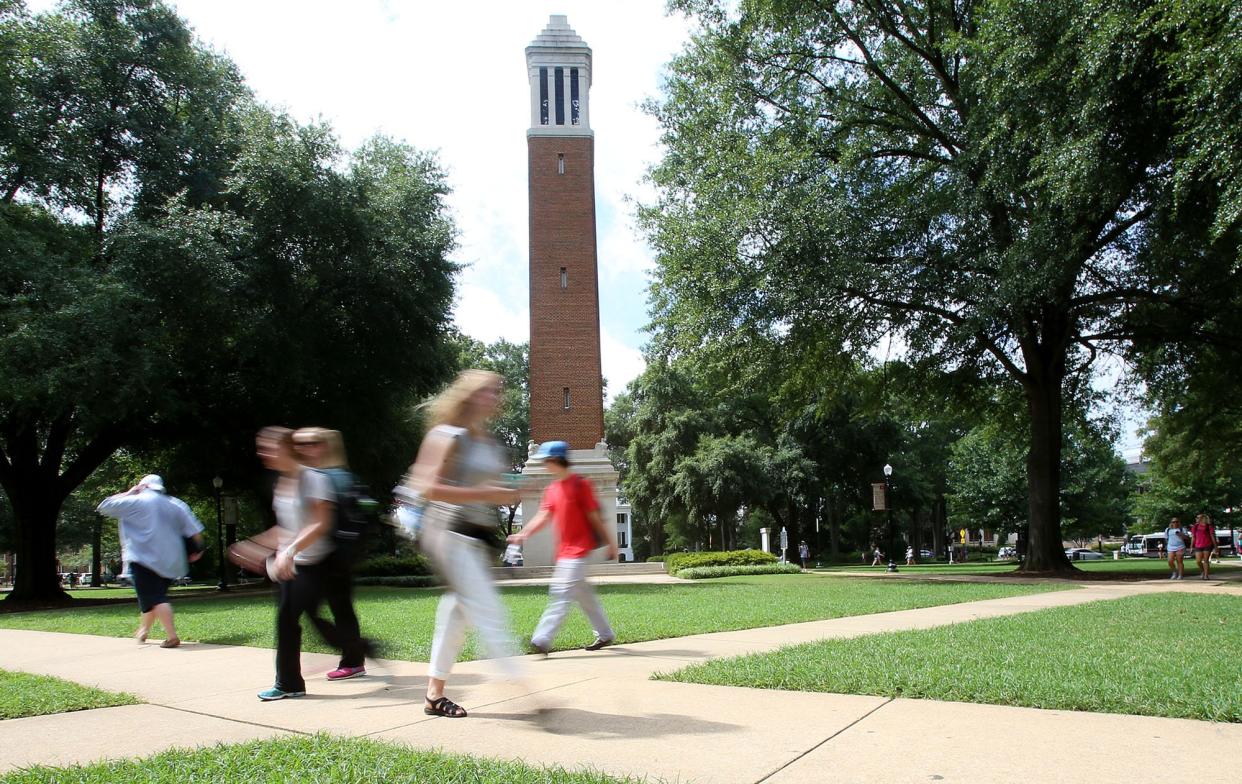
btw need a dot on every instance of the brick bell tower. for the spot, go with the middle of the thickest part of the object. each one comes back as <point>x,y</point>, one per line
<point>566,380</point>
<point>566,377</point>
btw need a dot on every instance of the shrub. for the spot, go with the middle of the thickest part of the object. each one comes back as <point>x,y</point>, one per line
<point>393,566</point>
<point>402,581</point>
<point>705,572</point>
<point>657,559</point>
<point>675,562</point>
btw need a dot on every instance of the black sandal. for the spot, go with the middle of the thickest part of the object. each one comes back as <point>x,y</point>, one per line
<point>444,707</point>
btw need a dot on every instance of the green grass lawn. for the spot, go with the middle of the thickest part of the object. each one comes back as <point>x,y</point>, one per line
<point>403,619</point>
<point>122,592</point>
<point>303,760</point>
<point>23,694</point>
<point>1170,654</point>
<point>1139,566</point>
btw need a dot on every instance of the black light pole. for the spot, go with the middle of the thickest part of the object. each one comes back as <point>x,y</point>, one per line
<point>223,584</point>
<point>888,504</point>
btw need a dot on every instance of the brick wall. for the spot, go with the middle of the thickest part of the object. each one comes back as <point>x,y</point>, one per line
<point>564,322</point>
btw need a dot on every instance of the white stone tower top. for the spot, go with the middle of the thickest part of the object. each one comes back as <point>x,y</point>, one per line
<point>558,65</point>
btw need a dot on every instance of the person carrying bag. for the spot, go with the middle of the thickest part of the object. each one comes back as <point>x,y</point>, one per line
<point>455,481</point>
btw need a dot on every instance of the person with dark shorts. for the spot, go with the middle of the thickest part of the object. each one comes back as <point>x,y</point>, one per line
<point>1203,539</point>
<point>154,529</point>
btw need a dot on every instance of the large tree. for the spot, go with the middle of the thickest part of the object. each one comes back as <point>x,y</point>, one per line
<point>996,184</point>
<point>182,265</point>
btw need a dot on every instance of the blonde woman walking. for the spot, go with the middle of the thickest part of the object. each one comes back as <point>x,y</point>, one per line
<point>323,451</point>
<point>458,474</point>
<point>1177,541</point>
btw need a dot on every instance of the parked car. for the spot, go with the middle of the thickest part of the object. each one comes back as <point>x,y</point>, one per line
<point>85,578</point>
<point>124,579</point>
<point>1083,554</point>
<point>926,555</point>
<point>1006,553</point>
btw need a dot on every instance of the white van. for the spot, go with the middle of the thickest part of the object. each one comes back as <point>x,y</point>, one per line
<point>1134,546</point>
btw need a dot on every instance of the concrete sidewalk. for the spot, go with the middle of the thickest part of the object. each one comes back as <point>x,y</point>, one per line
<point>600,709</point>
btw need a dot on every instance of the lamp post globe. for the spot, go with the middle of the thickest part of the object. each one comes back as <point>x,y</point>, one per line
<point>888,505</point>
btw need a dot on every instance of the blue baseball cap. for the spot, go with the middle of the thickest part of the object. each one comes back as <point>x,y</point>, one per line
<point>552,449</point>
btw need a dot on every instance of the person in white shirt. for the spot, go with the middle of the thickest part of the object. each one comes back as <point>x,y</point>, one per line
<point>154,527</point>
<point>302,501</point>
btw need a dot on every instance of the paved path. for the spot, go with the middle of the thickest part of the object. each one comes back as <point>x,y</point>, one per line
<point>601,709</point>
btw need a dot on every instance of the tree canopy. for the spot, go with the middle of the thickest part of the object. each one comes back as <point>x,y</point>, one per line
<point>1007,188</point>
<point>183,265</point>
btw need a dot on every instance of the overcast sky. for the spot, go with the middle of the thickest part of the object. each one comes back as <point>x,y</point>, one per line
<point>451,77</point>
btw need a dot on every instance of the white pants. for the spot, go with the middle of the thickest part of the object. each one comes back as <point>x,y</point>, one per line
<point>471,598</point>
<point>569,585</point>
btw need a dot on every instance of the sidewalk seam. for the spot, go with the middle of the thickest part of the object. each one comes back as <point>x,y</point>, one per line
<point>853,723</point>
<point>231,719</point>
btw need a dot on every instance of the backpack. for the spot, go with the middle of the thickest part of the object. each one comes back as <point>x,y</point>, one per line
<point>355,513</point>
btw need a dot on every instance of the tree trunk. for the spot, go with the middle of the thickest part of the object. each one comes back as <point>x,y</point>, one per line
<point>834,530</point>
<point>1043,387</point>
<point>937,524</point>
<point>37,577</point>
<point>916,537</point>
<point>96,559</point>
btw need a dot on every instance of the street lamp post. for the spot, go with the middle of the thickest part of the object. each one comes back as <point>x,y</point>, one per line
<point>223,584</point>
<point>888,504</point>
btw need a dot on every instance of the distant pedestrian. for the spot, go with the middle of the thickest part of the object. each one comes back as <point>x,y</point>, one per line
<point>910,556</point>
<point>457,473</point>
<point>804,553</point>
<point>570,504</point>
<point>1203,539</point>
<point>1176,541</point>
<point>154,529</point>
<point>863,554</point>
<point>877,557</point>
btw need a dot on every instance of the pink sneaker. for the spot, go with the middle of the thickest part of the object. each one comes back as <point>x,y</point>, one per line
<point>343,673</point>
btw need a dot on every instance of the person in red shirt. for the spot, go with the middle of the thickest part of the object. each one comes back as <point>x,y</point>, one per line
<point>570,503</point>
<point>1203,539</point>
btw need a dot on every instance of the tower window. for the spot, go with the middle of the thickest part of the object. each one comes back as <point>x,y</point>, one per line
<point>564,281</point>
<point>560,163</point>
<point>558,74</point>
<point>565,398</point>
<point>543,96</point>
<point>573,96</point>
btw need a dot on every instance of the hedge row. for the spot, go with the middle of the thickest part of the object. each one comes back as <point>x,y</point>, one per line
<point>657,559</point>
<point>675,562</point>
<point>393,566</point>
<point>402,581</point>
<point>705,572</point>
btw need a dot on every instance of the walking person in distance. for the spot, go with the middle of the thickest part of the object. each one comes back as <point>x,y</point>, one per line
<point>154,528</point>
<point>570,504</point>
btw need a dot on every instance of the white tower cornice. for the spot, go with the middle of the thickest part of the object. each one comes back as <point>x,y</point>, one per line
<point>558,65</point>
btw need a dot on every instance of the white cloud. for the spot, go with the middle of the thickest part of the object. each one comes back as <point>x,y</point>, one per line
<point>622,364</point>
<point>485,316</point>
